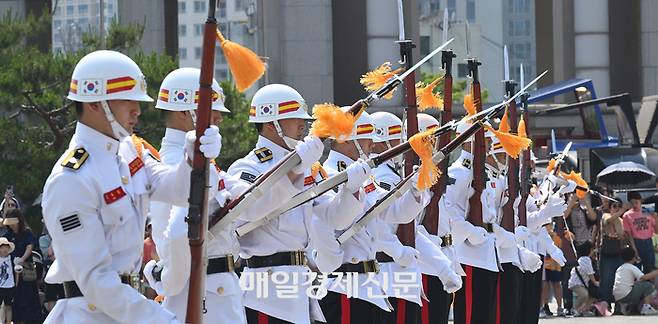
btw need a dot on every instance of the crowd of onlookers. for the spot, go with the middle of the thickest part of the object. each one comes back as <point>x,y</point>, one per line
<point>611,247</point>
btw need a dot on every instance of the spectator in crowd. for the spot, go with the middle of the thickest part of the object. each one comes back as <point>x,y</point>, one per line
<point>27,307</point>
<point>581,278</point>
<point>552,279</point>
<point>613,239</point>
<point>581,218</point>
<point>633,289</point>
<point>641,226</point>
<point>7,278</point>
<point>654,240</point>
<point>52,292</point>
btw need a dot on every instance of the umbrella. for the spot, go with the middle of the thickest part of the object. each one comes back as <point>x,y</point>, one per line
<point>625,174</point>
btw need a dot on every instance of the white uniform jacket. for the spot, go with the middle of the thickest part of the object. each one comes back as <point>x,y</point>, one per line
<point>288,232</point>
<point>96,213</point>
<point>456,200</point>
<point>364,244</point>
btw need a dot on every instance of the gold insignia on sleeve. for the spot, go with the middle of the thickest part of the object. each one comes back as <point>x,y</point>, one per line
<point>75,159</point>
<point>341,166</point>
<point>263,154</point>
<point>466,163</point>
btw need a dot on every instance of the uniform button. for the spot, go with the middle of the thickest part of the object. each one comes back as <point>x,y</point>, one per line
<point>108,146</point>
<point>220,290</point>
<point>91,307</point>
<point>121,218</point>
<point>124,180</point>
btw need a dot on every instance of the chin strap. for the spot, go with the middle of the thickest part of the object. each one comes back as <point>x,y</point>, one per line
<point>118,130</point>
<point>193,116</point>
<point>362,155</point>
<point>290,142</point>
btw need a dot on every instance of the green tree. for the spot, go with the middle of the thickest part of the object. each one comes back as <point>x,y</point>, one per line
<point>36,120</point>
<point>458,87</point>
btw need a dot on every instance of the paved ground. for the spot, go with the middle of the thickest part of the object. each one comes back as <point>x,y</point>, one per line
<point>607,320</point>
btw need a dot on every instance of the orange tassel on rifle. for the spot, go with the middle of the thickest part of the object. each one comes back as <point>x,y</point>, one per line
<point>317,168</point>
<point>504,123</point>
<point>378,77</point>
<point>425,96</point>
<point>423,145</point>
<point>246,67</point>
<point>551,165</point>
<point>469,104</point>
<point>512,144</point>
<point>578,179</point>
<point>521,129</point>
<point>330,121</point>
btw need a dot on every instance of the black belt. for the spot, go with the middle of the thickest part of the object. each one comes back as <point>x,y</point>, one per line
<point>361,267</point>
<point>71,289</point>
<point>446,240</point>
<point>488,227</point>
<point>382,257</point>
<point>277,259</point>
<point>215,265</point>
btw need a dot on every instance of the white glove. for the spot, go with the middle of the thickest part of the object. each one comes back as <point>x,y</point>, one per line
<point>148,274</point>
<point>556,181</point>
<point>530,261</point>
<point>557,255</point>
<point>210,143</point>
<point>504,239</point>
<point>407,257</point>
<point>357,173</point>
<point>451,280</point>
<point>569,187</point>
<point>309,151</point>
<point>18,260</point>
<point>414,186</point>
<point>521,233</point>
<point>555,206</point>
<point>477,235</point>
<point>18,268</point>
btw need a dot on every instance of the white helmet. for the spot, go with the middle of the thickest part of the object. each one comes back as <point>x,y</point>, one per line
<point>364,126</point>
<point>179,91</point>
<point>275,102</point>
<point>107,75</point>
<point>426,121</point>
<point>387,127</point>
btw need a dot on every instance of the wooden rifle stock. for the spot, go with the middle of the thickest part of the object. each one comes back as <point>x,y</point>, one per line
<point>197,218</point>
<point>431,219</point>
<point>507,221</point>
<point>479,152</point>
<point>525,170</point>
<point>406,232</point>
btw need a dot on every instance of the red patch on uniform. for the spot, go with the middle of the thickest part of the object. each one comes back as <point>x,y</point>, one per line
<point>369,188</point>
<point>114,195</point>
<point>135,166</point>
<point>493,185</point>
<point>221,185</point>
<point>309,181</point>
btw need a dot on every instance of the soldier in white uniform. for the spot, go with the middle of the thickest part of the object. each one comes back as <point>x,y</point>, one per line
<point>223,293</point>
<point>357,255</point>
<point>431,259</point>
<point>278,249</point>
<point>96,210</point>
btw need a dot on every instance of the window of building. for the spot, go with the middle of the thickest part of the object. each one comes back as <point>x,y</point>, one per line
<point>182,53</point>
<point>519,27</point>
<point>240,5</point>
<point>521,51</point>
<point>221,74</point>
<point>519,6</point>
<point>199,6</point>
<point>452,7</point>
<point>182,30</point>
<point>198,29</point>
<point>221,5</point>
<point>462,70</point>
<point>57,24</point>
<point>197,53</point>
<point>69,9</point>
<point>181,6</point>
<point>424,45</point>
<point>435,6</point>
<point>470,10</point>
<point>83,22</point>
<point>83,9</point>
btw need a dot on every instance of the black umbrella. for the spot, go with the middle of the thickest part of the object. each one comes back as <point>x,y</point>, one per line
<point>625,174</point>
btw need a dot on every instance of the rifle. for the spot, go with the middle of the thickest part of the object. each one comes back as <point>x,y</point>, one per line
<point>479,146</point>
<point>431,219</point>
<point>341,177</point>
<point>507,221</point>
<point>197,215</point>
<point>527,169</point>
<point>224,216</point>
<point>406,232</point>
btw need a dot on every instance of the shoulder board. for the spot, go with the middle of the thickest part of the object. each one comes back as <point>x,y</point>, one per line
<point>246,176</point>
<point>263,154</point>
<point>75,159</point>
<point>385,186</point>
<point>341,166</point>
<point>466,163</point>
